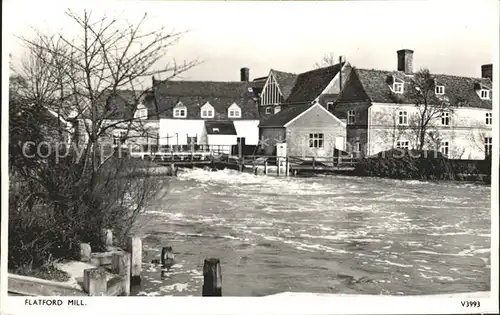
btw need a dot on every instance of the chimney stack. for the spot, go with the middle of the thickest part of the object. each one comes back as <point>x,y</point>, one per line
<point>405,61</point>
<point>487,71</point>
<point>244,74</point>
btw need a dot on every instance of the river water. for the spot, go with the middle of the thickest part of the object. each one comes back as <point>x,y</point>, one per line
<point>327,234</point>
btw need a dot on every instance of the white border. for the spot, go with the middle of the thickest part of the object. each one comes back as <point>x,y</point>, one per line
<point>267,305</point>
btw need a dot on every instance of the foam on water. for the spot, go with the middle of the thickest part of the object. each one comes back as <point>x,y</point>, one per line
<point>381,225</point>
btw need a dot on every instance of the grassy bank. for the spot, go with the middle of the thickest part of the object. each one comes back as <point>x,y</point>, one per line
<point>53,208</point>
<point>424,165</point>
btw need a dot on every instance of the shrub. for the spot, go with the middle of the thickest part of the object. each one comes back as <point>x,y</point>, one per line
<point>54,206</point>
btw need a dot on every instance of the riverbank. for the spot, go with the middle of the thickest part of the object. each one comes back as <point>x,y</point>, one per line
<point>423,165</point>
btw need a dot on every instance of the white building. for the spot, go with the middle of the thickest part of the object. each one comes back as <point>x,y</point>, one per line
<point>204,113</point>
<point>381,113</point>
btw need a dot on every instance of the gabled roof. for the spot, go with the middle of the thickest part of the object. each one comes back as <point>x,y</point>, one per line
<point>195,94</point>
<point>288,113</point>
<point>459,91</point>
<point>220,127</point>
<point>285,80</point>
<point>311,84</point>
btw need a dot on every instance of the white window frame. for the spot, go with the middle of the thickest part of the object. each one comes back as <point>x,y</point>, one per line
<point>398,87</point>
<point>445,119</point>
<point>316,140</point>
<point>178,111</point>
<point>277,109</point>
<point>445,148</point>
<point>489,118</point>
<point>351,117</point>
<point>485,94</point>
<point>439,89</point>
<point>269,110</point>
<point>488,145</point>
<point>234,113</point>
<point>207,113</point>
<point>403,114</point>
<point>403,144</point>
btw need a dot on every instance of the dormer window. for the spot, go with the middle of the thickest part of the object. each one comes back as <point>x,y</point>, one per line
<point>207,111</point>
<point>397,87</point>
<point>269,110</point>
<point>180,111</point>
<point>484,94</point>
<point>141,112</point>
<point>234,111</point>
<point>439,89</point>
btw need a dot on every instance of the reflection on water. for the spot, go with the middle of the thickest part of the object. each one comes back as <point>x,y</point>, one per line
<point>330,234</point>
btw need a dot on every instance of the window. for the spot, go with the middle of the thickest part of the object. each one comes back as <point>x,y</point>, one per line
<point>329,106</point>
<point>445,119</point>
<point>397,87</point>
<point>269,110</point>
<point>444,147</point>
<point>141,113</point>
<point>180,112</point>
<point>403,144</point>
<point>488,146</point>
<point>357,146</point>
<point>489,118</point>
<point>403,118</point>
<point>207,113</point>
<point>316,140</point>
<point>234,113</point>
<point>439,89</point>
<point>485,94</point>
<point>119,137</point>
<point>351,117</point>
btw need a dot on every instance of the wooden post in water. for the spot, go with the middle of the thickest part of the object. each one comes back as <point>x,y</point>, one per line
<point>287,169</point>
<point>265,168</point>
<point>134,247</point>
<point>278,166</point>
<point>212,278</point>
<point>167,259</point>
<point>340,159</point>
<point>314,162</point>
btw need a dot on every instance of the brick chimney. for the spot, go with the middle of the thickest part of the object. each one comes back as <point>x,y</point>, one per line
<point>405,60</point>
<point>487,71</point>
<point>244,74</point>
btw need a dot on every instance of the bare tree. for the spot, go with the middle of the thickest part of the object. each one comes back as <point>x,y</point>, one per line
<point>429,107</point>
<point>327,60</point>
<point>81,79</point>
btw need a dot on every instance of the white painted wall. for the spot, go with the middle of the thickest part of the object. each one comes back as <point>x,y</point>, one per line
<point>171,128</point>
<point>222,140</point>
<point>465,133</point>
<point>196,127</point>
<point>248,129</point>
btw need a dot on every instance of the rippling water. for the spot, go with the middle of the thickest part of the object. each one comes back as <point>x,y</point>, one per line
<point>329,234</point>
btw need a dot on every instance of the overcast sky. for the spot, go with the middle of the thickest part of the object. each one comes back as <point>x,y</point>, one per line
<point>448,37</point>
